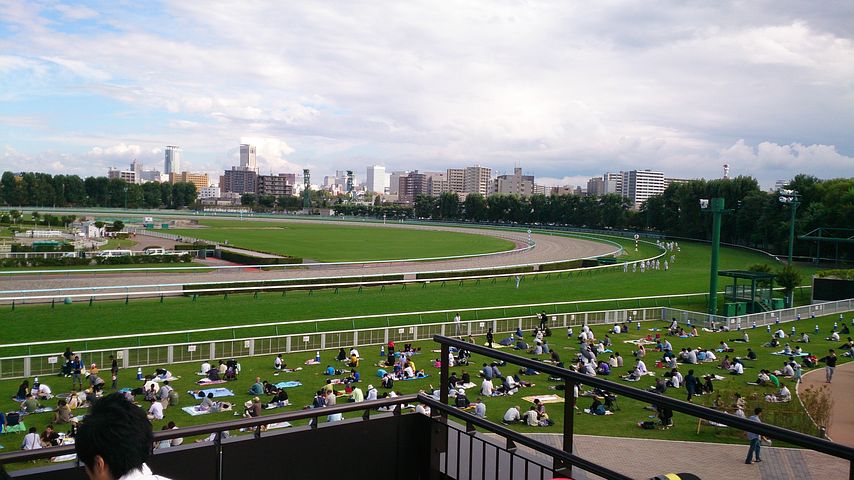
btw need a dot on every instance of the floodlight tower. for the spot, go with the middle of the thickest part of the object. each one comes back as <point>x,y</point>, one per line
<point>306,190</point>
<point>792,197</point>
<point>714,206</point>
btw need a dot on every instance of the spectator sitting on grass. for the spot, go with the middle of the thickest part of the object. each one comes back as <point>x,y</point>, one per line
<point>257,388</point>
<point>30,404</point>
<point>512,415</point>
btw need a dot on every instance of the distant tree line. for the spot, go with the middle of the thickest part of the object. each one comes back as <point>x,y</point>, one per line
<point>756,218</point>
<point>45,190</point>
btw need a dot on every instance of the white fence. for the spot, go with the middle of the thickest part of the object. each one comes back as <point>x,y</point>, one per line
<point>146,356</point>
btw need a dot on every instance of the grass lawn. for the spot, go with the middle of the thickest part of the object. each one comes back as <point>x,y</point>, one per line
<point>119,244</point>
<point>326,242</point>
<point>622,423</point>
<point>688,275</point>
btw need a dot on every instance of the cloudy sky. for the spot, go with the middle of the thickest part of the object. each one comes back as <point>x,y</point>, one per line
<point>565,89</point>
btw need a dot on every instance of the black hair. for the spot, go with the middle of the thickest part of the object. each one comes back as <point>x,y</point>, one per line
<point>116,430</point>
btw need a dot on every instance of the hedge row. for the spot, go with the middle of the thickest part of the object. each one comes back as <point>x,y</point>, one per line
<point>225,288</point>
<point>78,262</point>
<point>243,259</point>
<point>475,273</point>
<point>838,274</point>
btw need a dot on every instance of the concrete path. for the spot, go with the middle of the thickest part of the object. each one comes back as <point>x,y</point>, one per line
<point>645,458</point>
<point>841,429</point>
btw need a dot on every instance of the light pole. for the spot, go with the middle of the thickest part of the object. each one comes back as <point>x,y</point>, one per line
<point>792,197</point>
<point>715,206</point>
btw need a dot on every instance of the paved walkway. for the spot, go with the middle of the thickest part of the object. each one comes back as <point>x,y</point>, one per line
<point>841,429</point>
<point>645,458</point>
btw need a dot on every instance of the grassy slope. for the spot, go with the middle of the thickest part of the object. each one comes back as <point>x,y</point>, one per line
<point>623,423</point>
<point>338,243</point>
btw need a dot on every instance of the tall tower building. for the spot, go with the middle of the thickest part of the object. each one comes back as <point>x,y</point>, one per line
<point>172,161</point>
<point>376,179</point>
<point>247,157</point>
<point>477,180</point>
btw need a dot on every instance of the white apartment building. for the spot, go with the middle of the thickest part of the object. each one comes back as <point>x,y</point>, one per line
<point>516,184</point>
<point>477,180</point>
<point>128,176</point>
<point>639,185</point>
<point>212,191</point>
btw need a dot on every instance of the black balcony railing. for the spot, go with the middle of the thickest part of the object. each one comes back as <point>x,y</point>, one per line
<point>574,378</point>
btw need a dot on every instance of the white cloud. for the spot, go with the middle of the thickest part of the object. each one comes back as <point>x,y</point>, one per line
<point>566,90</point>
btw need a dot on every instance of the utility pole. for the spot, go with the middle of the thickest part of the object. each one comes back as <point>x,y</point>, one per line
<point>714,206</point>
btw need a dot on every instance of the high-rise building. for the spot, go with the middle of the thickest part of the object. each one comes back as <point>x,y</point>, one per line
<point>394,181</point>
<point>200,180</point>
<point>613,183</point>
<point>414,184</point>
<point>376,179</point>
<point>563,190</point>
<point>128,176</point>
<point>456,180</point>
<point>275,185</point>
<point>239,180</point>
<point>212,191</point>
<point>172,160</point>
<point>639,185</point>
<point>477,180</point>
<point>516,184</point>
<point>596,187</point>
<point>247,157</point>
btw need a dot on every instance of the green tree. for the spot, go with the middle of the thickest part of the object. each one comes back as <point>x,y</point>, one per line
<point>448,205</point>
<point>118,225</point>
<point>789,278</point>
<point>475,207</point>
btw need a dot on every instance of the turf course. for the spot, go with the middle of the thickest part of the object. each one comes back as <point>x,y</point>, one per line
<point>327,242</point>
<point>688,275</point>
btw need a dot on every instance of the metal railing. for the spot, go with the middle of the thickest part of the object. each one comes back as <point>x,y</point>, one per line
<point>573,379</point>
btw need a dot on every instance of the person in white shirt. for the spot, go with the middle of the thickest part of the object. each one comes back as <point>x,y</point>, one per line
<point>155,411</point>
<point>486,388</point>
<point>512,415</point>
<point>278,362</point>
<point>589,369</point>
<point>617,328</point>
<point>737,368</point>
<point>780,333</point>
<point>531,419</point>
<point>408,372</point>
<point>354,352</point>
<point>31,440</point>
<point>834,336</point>
<point>784,395</point>
<point>420,408</point>
<point>206,366</point>
<point>372,393</point>
<point>787,371</point>
<point>479,408</point>
<point>44,392</point>
<point>640,368</point>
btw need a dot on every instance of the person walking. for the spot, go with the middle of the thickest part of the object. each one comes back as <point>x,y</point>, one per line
<point>691,384</point>
<point>755,439</point>
<point>830,362</point>
<point>457,324</point>
<point>114,372</point>
<point>489,337</point>
<point>544,320</point>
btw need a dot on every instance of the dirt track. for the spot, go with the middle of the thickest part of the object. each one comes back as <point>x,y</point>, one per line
<point>548,248</point>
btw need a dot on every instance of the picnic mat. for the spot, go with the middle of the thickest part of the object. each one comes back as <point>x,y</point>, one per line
<point>43,410</point>
<point>217,392</point>
<point>170,379</point>
<point>205,381</point>
<point>495,345</point>
<point>290,384</point>
<point>194,410</point>
<point>415,378</point>
<point>793,354</point>
<point>544,398</point>
<point>640,341</point>
<point>19,428</point>
<point>312,362</point>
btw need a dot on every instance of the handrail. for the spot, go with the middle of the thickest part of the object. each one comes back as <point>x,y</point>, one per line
<point>790,436</point>
<point>520,438</point>
<point>39,454</point>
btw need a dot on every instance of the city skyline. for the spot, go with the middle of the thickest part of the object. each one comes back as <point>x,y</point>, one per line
<point>562,89</point>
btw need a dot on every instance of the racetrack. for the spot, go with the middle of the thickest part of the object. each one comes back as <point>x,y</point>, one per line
<point>547,248</point>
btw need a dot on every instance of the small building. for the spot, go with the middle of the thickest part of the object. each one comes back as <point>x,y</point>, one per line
<point>88,229</point>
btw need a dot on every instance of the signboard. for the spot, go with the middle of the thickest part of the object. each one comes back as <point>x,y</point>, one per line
<point>306,339</point>
<point>191,348</point>
<point>120,355</point>
<point>481,324</point>
<point>51,360</point>
<point>246,343</point>
<point>401,330</point>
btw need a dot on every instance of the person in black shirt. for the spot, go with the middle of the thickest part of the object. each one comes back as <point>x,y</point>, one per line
<point>489,337</point>
<point>830,362</point>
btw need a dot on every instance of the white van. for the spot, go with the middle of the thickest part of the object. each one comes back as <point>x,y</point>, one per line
<point>155,251</point>
<point>115,253</point>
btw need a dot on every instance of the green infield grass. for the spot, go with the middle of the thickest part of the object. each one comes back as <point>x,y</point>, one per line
<point>326,242</point>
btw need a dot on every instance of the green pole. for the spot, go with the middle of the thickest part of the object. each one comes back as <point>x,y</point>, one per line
<point>716,208</point>
<point>794,204</point>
